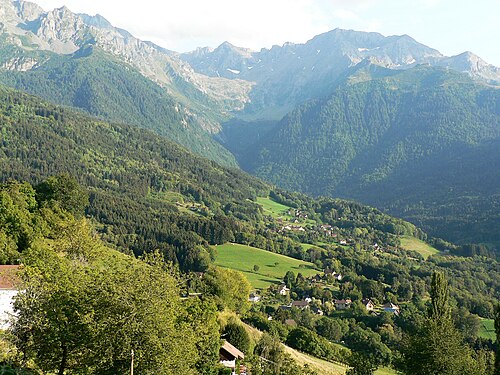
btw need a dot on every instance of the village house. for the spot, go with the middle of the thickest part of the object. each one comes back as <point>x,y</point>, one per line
<point>342,304</point>
<point>8,290</point>
<point>332,273</point>
<point>391,308</point>
<point>283,290</point>
<point>317,311</point>
<point>300,304</point>
<point>327,230</point>
<point>368,304</point>
<point>329,272</point>
<point>228,355</point>
<point>317,278</point>
<point>254,298</point>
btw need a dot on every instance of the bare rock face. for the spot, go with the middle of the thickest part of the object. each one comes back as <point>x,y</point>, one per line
<point>473,65</point>
<point>21,64</point>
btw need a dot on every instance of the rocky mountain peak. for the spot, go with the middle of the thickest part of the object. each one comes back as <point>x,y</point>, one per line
<point>28,11</point>
<point>473,65</point>
<point>97,21</point>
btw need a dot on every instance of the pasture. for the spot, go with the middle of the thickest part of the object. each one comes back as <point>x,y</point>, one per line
<point>412,243</point>
<point>271,267</point>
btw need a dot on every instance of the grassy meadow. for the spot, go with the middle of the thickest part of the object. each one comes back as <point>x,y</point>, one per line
<point>273,208</point>
<point>487,329</point>
<point>412,243</point>
<point>272,267</point>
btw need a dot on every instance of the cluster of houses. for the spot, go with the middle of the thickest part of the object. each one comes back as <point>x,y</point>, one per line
<point>340,304</point>
<point>298,214</point>
<point>327,229</point>
<point>292,228</point>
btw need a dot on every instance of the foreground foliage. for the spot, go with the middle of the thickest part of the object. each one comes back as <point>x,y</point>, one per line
<point>84,308</point>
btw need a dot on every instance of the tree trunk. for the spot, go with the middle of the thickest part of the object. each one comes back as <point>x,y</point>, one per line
<point>64,358</point>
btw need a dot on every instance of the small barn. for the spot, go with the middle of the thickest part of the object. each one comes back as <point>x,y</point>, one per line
<point>229,354</point>
<point>8,290</point>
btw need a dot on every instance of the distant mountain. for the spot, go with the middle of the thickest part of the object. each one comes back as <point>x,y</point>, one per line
<point>423,143</point>
<point>85,62</point>
<point>293,73</point>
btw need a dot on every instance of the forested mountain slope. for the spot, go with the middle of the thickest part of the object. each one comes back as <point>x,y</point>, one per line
<point>421,143</point>
<point>135,178</point>
<point>101,85</point>
<point>149,193</point>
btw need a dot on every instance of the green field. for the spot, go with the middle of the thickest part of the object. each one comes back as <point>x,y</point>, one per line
<point>273,208</point>
<point>487,329</point>
<point>272,267</point>
<point>412,243</point>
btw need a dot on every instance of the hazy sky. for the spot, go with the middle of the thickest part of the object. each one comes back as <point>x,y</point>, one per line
<point>451,26</point>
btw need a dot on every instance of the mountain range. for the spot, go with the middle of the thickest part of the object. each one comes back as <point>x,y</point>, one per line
<point>385,120</point>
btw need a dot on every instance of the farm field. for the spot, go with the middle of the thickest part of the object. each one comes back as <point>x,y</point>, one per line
<point>487,329</point>
<point>412,243</point>
<point>272,267</point>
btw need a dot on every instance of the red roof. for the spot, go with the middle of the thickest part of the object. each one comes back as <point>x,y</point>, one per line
<point>8,276</point>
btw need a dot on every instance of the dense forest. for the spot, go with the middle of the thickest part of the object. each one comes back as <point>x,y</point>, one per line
<point>422,144</point>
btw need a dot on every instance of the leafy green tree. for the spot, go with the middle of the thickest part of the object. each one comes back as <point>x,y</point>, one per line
<point>361,364</point>
<point>201,316</point>
<point>332,329</point>
<point>271,359</point>
<point>17,217</point>
<point>65,190</point>
<point>236,334</point>
<point>369,344</point>
<point>437,347</point>
<point>289,279</point>
<point>230,287</point>
<point>497,331</point>
<point>86,310</point>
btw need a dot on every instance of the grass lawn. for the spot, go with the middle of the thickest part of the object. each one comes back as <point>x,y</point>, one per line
<point>412,243</point>
<point>487,329</point>
<point>272,267</point>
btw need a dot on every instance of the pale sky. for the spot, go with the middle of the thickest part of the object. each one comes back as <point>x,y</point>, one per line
<point>450,26</point>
